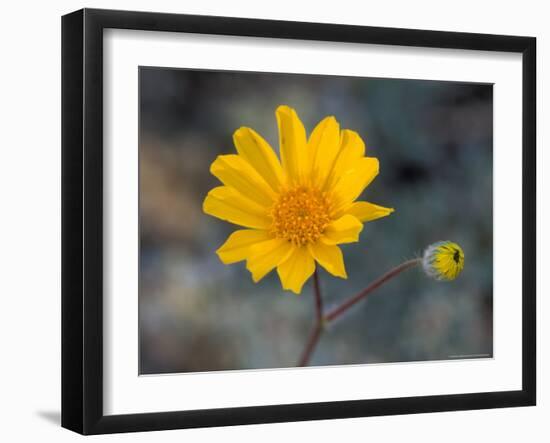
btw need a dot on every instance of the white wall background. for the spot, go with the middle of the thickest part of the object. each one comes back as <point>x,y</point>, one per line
<point>30,219</point>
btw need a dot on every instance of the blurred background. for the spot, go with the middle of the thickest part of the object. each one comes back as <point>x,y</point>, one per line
<point>434,143</point>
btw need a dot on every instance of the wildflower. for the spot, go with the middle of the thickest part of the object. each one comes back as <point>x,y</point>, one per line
<point>443,260</point>
<point>296,211</point>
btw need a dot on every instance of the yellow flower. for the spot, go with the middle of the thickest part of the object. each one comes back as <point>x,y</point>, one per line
<point>296,210</point>
<point>443,260</point>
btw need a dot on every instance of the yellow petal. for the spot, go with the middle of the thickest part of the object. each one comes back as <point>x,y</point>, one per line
<point>296,269</point>
<point>365,211</point>
<point>256,151</point>
<point>344,230</point>
<point>352,149</point>
<point>267,255</point>
<point>235,172</point>
<point>323,147</point>
<point>329,257</point>
<point>227,204</point>
<point>237,247</point>
<point>293,145</point>
<point>353,182</point>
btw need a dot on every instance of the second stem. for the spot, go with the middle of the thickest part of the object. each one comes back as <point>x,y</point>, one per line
<point>321,319</point>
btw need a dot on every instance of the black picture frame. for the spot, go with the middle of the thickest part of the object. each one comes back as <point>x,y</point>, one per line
<point>82,220</point>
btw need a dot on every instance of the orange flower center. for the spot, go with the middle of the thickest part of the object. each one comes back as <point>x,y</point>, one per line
<point>300,215</point>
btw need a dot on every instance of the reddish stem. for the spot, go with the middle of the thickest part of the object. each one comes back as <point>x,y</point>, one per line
<point>318,327</point>
<point>311,344</point>
<point>321,320</point>
<point>318,298</point>
<point>339,310</point>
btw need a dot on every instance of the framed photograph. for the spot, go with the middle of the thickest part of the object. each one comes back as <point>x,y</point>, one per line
<point>269,221</point>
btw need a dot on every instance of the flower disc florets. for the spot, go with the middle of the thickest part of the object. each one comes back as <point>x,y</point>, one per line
<point>300,215</point>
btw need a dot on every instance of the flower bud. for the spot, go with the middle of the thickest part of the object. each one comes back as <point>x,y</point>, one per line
<point>443,260</point>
